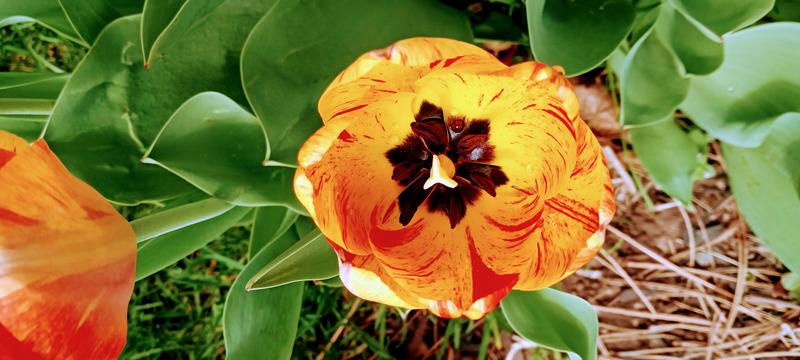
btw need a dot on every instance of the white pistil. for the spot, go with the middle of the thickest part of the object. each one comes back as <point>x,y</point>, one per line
<point>439,175</point>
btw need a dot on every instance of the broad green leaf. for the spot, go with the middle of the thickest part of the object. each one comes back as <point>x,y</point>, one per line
<point>786,10</point>
<point>757,83</point>
<point>652,82</point>
<point>178,218</point>
<point>669,155</point>
<point>783,146</point>
<point>499,26</point>
<point>577,35</point>
<point>722,16</point>
<point>312,258</point>
<point>46,12</point>
<point>29,94</point>
<point>191,15</point>
<point>647,12</point>
<point>263,322</point>
<point>791,282</point>
<point>25,106</point>
<point>214,144</point>
<point>89,17</point>
<point>283,76</point>
<point>112,108</point>
<point>162,251</point>
<point>304,225</point>
<point>700,52</point>
<point>156,16</point>
<point>28,127</point>
<point>35,85</point>
<point>766,192</point>
<point>100,121</point>
<point>554,319</point>
<point>273,221</point>
<point>335,281</point>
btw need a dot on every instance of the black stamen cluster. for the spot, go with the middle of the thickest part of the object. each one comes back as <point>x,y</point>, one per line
<point>465,142</point>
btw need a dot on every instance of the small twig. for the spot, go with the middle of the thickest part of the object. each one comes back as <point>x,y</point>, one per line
<point>664,261</point>
<point>765,355</point>
<point>741,286</point>
<point>615,267</point>
<point>722,237</point>
<point>646,315</point>
<point>620,169</point>
<point>689,233</point>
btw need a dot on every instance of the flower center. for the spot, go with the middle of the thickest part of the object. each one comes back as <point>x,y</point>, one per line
<point>442,171</point>
<point>445,163</point>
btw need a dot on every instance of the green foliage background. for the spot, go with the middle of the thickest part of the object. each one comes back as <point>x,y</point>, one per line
<point>116,87</point>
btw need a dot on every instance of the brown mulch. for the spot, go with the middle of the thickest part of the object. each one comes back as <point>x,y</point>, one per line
<point>673,282</point>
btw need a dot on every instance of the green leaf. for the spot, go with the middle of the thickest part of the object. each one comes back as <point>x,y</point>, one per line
<point>250,318</point>
<point>46,12</point>
<point>783,146</point>
<point>669,155</point>
<point>112,108</point>
<point>98,123</point>
<point>722,16</point>
<point>32,85</point>
<point>274,221</point>
<point>177,218</point>
<point>647,12</point>
<point>499,26</point>
<point>757,83</point>
<point>578,35</point>
<point>29,93</point>
<point>185,21</point>
<point>156,16</point>
<point>700,52</point>
<point>285,75</point>
<point>89,17</point>
<point>312,258</point>
<point>553,319</point>
<point>652,82</point>
<point>335,281</point>
<point>786,10</point>
<point>214,144</point>
<point>791,282</point>
<point>766,191</point>
<point>27,127</point>
<point>162,251</point>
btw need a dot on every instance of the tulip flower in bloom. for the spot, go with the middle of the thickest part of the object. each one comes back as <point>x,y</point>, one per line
<point>67,261</point>
<point>443,178</point>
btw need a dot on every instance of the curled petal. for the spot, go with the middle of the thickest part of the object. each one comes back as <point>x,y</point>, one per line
<point>353,177</point>
<point>575,219</point>
<point>410,53</point>
<point>365,278</point>
<point>67,259</point>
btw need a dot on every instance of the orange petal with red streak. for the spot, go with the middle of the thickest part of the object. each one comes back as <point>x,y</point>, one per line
<point>67,260</point>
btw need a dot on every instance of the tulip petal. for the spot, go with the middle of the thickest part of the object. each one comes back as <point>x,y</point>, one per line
<point>410,53</point>
<point>358,210</point>
<point>527,200</point>
<point>364,277</point>
<point>343,205</point>
<point>576,219</point>
<point>67,259</point>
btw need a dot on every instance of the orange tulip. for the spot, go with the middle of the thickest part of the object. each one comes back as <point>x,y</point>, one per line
<point>67,261</point>
<point>444,178</point>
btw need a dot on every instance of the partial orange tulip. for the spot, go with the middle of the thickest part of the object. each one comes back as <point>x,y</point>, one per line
<point>67,261</point>
<point>444,178</point>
